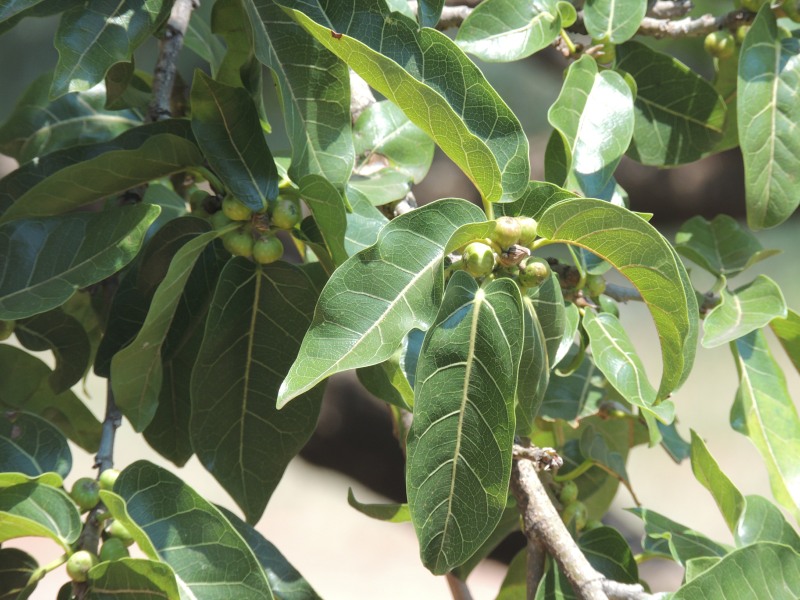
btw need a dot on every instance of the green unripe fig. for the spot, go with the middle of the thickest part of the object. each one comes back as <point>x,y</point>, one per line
<point>219,220</point>
<point>6,329</point>
<point>85,493</point>
<point>569,493</point>
<point>593,524</point>
<point>267,249</point>
<point>595,285</point>
<point>534,273</point>
<point>79,563</point>
<point>506,232</point>
<point>235,210</point>
<point>119,531</point>
<point>238,243</point>
<point>107,479</point>
<point>577,513</point>
<point>286,214</point>
<point>741,32</point>
<point>607,53</point>
<point>527,231</point>
<point>478,259</point>
<point>720,44</point>
<point>113,549</point>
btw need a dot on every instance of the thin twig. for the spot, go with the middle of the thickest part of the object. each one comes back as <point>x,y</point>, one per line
<point>458,588</point>
<point>170,47</point>
<point>113,419</point>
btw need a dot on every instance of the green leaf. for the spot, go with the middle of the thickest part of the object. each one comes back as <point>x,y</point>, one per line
<point>594,113</point>
<point>508,524</point>
<point>207,554</point>
<point>110,173</point>
<point>39,510</point>
<point>132,577</point>
<point>729,499</point>
<point>364,224</point>
<point>762,570</point>
<point>720,246</point>
<point>127,88</point>
<point>65,337</point>
<point>384,136</point>
<point>31,445</point>
<point>38,126</point>
<point>429,12</point>
<point>515,582</point>
<point>91,39</point>
<point>227,128</point>
<point>677,448</point>
<point>118,509</point>
<point>328,208</point>
<point>507,30</point>
<point>388,382</point>
<point>787,331</point>
<point>11,8</point>
<point>673,540</point>
<point>393,513</point>
<point>762,521</point>
<point>593,447</point>
<point>768,111</point>
<point>377,296</point>
<point>16,570</point>
<point>725,82</point>
<point>136,371</point>
<point>642,255</point>
<point>548,302</point>
<point>384,186</point>
<point>679,116</point>
<point>239,67</point>
<point>614,20</point>
<point>437,94</point>
<point>23,386</point>
<point>459,445</point>
<point>743,310</point>
<point>534,370</point>
<point>55,256</point>
<point>764,411</point>
<point>315,94</point>
<point>609,553</point>
<point>200,40</point>
<point>572,320</point>
<point>286,582</point>
<point>571,397</point>
<point>253,331</point>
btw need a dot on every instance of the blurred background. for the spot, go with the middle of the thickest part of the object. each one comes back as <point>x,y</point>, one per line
<point>346,555</point>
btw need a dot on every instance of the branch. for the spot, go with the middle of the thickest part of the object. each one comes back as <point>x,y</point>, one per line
<point>105,452</point>
<point>169,48</point>
<point>458,588</point>
<point>688,27</point>
<point>669,9</point>
<point>452,16</point>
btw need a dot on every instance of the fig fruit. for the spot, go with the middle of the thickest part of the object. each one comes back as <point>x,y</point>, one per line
<point>238,243</point>
<point>478,259</point>
<point>79,563</point>
<point>235,210</point>
<point>107,479</point>
<point>286,214</point>
<point>506,232</point>
<point>267,249</point>
<point>113,549</point>
<point>85,493</point>
<point>534,272</point>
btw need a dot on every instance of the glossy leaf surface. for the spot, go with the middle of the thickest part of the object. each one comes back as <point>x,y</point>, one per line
<point>329,210</point>
<point>762,521</point>
<point>459,445</point>
<point>31,445</point>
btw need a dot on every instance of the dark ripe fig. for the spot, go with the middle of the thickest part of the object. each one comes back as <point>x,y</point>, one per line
<point>267,249</point>
<point>506,232</point>
<point>478,259</point>
<point>235,210</point>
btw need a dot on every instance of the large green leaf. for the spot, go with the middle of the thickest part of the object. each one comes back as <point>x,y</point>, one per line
<point>38,126</point>
<point>227,128</point>
<point>40,510</point>
<point>593,447</point>
<point>255,323</point>
<point>52,257</point>
<point>508,524</point>
<point>459,445</point>
<point>720,246</point>
<point>424,73</point>
<point>136,371</point>
<point>613,20</point>
<point>743,310</point>
<point>594,113</point>
<point>787,331</point>
<point>24,386</point>
<point>92,38</point>
<point>507,30</point>
<point>31,445</point>
<point>678,115</point>
<point>729,499</point>
<point>329,210</point>
<point>128,578</point>
<point>375,298</point>
<point>764,411</point>
<point>762,521</point>
<point>642,255</point>
<point>16,571</point>
<point>315,93</point>
<point>207,554</point>
<point>768,113</point>
<point>763,570</point>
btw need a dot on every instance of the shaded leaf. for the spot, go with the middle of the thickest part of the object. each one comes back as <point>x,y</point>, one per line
<point>787,331</point>
<point>118,509</point>
<point>127,88</point>
<point>31,445</point>
<point>729,499</point>
<point>53,257</point>
<point>764,411</point>
<point>132,577</point>
<point>255,323</point>
<point>677,448</point>
<point>385,186</point>
<point>534,371</point>
<point>39,510</point>
<point>575,395</point>
<point>548,302</point>
<point>762,521</point>
<point>679,116</point>
<point>393,513</point>
<point>328,208</point>
<point>515,582</point>
<point>768,112</point>
<point>673,540</point>
<point>459,445</point>
<point>614,20</point>
<point>429,12</point>
<point>388,382</point>
<point>14,7</point>
<point>609,553</point>
<point>16,569</point>
<point>200,40</point>
<point>593,446</point>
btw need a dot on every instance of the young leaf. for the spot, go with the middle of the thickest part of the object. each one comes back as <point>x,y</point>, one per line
<point>133,577</point>
<point>207,554</point>
<point>706,470</point>
<point>436,94</point>
<point>507,30</point>
<point>52,257</point>
<point>764,411</point>
<point>90,40</point>
<point>642,255</point>
<point>762,521</point>
<point>31,445</point>
<point>255,323</point>
<point>787,331</point>
<point>393,513</point>
<point>227,128</point>
<point>375,298</point>
<point>743,310</point>
<point>614,20</point>
<point>39,510</point>
<point>675,123</point>
<point>768,112</point>
<point>459,445</point>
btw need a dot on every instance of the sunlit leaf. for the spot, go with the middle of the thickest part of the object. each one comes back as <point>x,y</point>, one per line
<point>329,210</point>
<point>39,510</point>
<point>393,513</point>
<point>788,333</point>
<point>762,521</point>
<point>728,498</point>
<point>613,20</point>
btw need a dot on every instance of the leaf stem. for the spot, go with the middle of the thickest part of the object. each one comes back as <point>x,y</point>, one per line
<point>568,42</point>
<point>576,472</point>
